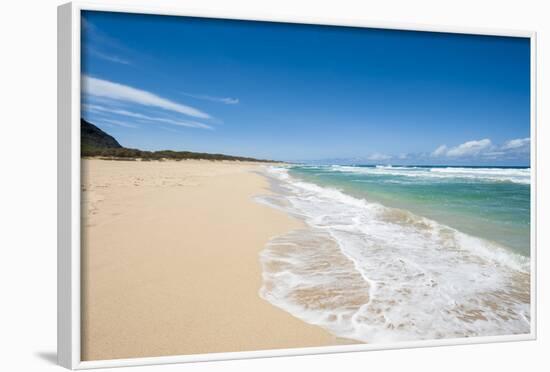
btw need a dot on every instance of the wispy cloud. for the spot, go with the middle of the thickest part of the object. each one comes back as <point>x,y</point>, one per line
<point>94,34</point>
<point>379,157</point>
<point>517,144</point>
<point>104,88</point>
<point>225,100</point>
<point>108,57</point>
<point>118,122</point>
<point>493,154</point>
<point>137,115</point>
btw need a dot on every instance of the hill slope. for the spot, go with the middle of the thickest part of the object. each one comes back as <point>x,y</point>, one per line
<point>95,142</point>
<point>92,137</point>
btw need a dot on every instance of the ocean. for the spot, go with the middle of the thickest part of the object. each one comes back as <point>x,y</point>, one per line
<point>402,253</point>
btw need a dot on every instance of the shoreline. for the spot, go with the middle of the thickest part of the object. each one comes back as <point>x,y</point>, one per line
<point>396,283</point>
<point>157,281</point>
<point>299,280</point>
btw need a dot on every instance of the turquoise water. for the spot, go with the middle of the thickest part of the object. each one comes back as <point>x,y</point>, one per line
<point>487,202</point>
<point>402,253</point>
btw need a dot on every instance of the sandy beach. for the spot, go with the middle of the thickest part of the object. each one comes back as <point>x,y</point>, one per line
<point>170,261</point>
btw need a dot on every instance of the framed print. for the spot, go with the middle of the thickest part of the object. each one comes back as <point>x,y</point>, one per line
<point>237,186</point>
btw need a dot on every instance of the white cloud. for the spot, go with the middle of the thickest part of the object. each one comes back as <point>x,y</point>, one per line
<point>110,58</point>
<point>379,157</point>
<point>517,144</point>
<point>226,100</point>
<point>118,122</point>
<point>493,153</point>
<point>116,91</point>
<point>470,148</point>
<point>441,150</point>
<point>485,148</point>
<point>186,123</point>
<point>96,36</point>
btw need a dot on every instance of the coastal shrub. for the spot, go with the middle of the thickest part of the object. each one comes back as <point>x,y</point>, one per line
<point>127,153</point>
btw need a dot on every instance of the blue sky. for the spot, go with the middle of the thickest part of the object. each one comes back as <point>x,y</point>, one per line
<point>301,92</point>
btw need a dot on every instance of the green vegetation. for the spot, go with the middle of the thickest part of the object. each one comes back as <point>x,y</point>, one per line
<point>133,154</point>
<point>97,143</point>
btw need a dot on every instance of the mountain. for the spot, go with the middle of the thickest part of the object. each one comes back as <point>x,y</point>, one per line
<point>97,143</point>
<point>94,138</point>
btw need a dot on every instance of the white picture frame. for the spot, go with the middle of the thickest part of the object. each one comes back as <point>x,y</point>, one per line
<point>69,187</point>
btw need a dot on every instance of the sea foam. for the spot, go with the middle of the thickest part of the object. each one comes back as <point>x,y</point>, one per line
<point>514,175</point>
<point>376,274</point>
